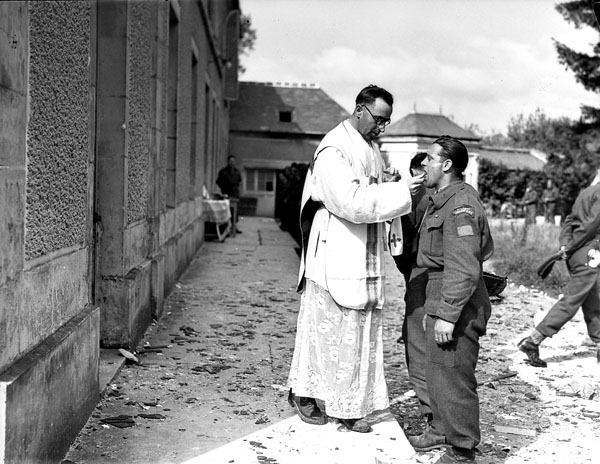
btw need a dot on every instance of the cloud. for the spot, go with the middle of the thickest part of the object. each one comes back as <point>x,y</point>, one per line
<point>484,81</point>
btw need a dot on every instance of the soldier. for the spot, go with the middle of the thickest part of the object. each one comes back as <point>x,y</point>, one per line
<point>549,198</point>
<point>454,241</point>
<point>529,202</point>
<point>582,290</point>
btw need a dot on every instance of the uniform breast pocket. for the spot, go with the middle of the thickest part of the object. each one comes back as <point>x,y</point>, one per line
<point>435,236</point>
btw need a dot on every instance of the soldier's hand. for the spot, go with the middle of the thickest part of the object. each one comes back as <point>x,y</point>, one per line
<point>443,331</point>
<point>563,250</point>
<point>415,183</point>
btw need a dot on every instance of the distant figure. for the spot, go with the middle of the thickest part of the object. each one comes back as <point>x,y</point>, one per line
<point>550,198</point>
<point>507,210</point>
<point>229,179</point>
<point>529,202</point>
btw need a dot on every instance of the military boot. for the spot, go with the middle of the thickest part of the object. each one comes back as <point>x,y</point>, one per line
<point>532,351</point>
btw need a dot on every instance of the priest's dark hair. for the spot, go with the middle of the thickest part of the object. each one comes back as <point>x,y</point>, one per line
<point>372,92</point>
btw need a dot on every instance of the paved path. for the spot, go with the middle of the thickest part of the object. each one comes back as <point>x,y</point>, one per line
<point>214,390</point>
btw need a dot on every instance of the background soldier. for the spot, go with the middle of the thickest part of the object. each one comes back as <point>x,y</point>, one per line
<point>549,198</point>
<point>529,202</point>
<point>582,225</point>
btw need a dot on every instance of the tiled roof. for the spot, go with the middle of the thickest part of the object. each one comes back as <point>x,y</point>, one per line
<point>259,106</point>
<point>513,158</point>
<point>428,125</point>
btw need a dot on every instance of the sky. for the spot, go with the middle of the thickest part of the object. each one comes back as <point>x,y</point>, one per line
<point>478,62</point>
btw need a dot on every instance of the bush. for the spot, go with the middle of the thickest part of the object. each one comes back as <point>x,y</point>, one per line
<point>520,250</point>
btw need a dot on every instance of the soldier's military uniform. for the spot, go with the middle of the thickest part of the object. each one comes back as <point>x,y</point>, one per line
<point>582,290</point>
<point>454,241</point>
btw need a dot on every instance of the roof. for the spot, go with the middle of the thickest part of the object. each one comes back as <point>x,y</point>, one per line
<point>513,158</point>
<point>428,125</point>
<point>259,104</point>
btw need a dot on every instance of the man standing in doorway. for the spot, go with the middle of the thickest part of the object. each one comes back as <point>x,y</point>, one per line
<point>453,243</point>
<point>337,366</point>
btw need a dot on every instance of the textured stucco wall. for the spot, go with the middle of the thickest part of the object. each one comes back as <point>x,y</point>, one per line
<point>162,72</point>
<point>141,40</point>
<point>58,140</point>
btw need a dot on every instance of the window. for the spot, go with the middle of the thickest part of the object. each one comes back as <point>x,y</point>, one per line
<point>285,116</point>
<point>194,122</point>
<point>173,74</point>
<point>260,180</point>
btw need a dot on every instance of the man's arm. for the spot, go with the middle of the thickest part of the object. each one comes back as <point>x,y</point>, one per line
<point>355,198</point>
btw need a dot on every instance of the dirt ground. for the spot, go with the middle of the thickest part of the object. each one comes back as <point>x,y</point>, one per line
<point>227,342</point>
<point>528,414</point>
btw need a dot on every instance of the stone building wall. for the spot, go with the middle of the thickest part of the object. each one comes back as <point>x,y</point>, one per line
<point>89,245</point>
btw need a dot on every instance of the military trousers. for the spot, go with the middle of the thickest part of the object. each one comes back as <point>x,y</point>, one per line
<point>549,211</point>
<point>582,291</point>
<point>450,369</point>
<point>413,335</point>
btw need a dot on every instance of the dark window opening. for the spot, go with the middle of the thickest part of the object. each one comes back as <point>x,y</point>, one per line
<point>285,116</point>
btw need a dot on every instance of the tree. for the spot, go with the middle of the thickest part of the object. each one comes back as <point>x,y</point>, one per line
<point>571,148</point>
<point>246,41</point>
<point>585,67</point>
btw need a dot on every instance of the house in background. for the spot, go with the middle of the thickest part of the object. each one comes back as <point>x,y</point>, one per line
<point>274,125</point>
<point>416,132</point>
<point>520,159</point>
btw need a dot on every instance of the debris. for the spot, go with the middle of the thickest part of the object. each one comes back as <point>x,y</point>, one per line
<point>121,421</point>
<point>150,350</point>
<point>257,444</point>
<point>189,331</point>
<point>506,375</point>
<point>588,391</point>
<point>210,368</point>
<point>515,430</point>
<point>114,391</point>
<point>152,416</point>
<point>156,347</point>
<point>129,356</point>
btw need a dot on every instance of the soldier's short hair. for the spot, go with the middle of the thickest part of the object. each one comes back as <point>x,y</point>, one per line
<point>454,150</point>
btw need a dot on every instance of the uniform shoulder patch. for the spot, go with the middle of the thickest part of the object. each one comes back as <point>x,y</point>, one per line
<point>464,210</point>
<point>463,231</point>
